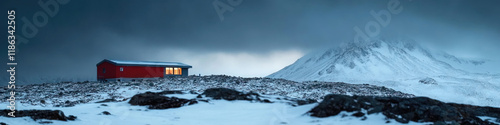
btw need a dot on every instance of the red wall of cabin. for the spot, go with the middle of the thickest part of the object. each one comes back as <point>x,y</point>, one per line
<point>110,71</point>
<point>139,72</point>
<point>113,71</point>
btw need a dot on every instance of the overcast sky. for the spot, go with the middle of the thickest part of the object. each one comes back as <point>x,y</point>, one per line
<point>256,39</point>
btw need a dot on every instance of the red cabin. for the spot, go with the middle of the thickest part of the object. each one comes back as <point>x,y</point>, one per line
<point>114,70</point>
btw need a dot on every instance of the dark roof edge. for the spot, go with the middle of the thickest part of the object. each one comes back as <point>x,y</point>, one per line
<point>116,64</point>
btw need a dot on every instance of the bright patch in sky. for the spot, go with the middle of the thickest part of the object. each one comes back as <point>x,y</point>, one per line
<point>235,64</point>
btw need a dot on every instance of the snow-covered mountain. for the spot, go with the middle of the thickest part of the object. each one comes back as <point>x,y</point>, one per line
<point>377,60</point>
<point>398,64</point>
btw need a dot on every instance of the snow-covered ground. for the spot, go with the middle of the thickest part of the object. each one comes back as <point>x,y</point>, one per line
<point>215,112</point>
<point>400,65</point>
<point>79,99</point>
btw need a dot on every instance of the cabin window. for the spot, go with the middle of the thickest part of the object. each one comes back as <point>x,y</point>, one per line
<point>103,70</point>
<point>173,71</point>
<point>121,69</point>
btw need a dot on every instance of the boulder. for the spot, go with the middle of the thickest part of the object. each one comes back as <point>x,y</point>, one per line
<point>158,101</point>
<point>229,94</point>
<point>39,114</point>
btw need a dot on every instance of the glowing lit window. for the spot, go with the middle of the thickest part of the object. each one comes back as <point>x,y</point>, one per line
<point>173,71</point>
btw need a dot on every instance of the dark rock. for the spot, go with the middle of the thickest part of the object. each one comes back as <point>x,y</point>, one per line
<point>38,114</point>
<point>106,113</point>
<point>266,101</point>
<point>104,105</point>
<point>305,101</point>
<point>107,100</point>
<point>193,92</point>
<point>404,110</point>
<point>358,114</point>
<point>364,118</point>
<point>334,104</point>
<point>1,123</point>
<point>71,117</point>
<point>229,94</point>
<point>158,101</point>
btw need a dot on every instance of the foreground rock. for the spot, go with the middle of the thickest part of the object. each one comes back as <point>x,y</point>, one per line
<point>40,114</point>
<point>419,109</point>
<point>230,94</point>
<point>158,101</point>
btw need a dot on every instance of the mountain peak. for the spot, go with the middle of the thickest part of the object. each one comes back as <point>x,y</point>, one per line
<point>373,60</point>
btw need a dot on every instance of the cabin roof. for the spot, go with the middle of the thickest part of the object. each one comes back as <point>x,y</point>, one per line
<point>145,63</point>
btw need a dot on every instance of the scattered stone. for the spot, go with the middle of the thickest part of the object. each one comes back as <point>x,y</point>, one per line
<point>107,100</point>
<point>1,123</point>
<point>45,122</point>
<point>428,80</point>
<point>193,92</point>
<point>39,114</point>
<point>403,110</point>
<point>106,113</point>
<point>104,105</point>
<point>170,92</point>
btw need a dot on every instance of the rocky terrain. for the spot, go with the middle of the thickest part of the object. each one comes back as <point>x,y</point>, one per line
<point>67,94</point>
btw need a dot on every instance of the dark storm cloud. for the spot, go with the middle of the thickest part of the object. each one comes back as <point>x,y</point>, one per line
<point>87,31</point>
